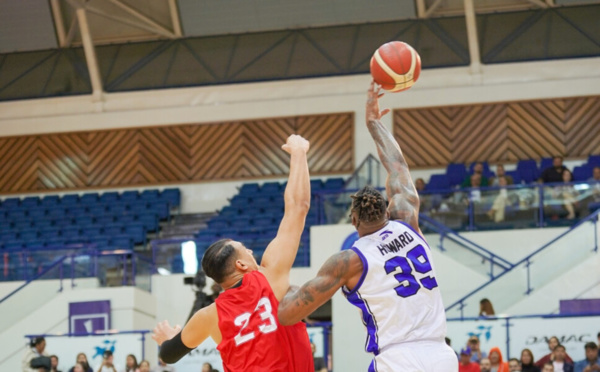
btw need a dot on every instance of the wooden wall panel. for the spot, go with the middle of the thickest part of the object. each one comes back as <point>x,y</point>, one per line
<point>173,154</point>
<point>499,132</point>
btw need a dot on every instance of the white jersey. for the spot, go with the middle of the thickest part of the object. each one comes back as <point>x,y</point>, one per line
<point>397,293</point>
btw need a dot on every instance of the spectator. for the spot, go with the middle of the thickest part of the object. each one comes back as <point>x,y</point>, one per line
<point>498,365</point>
<point>527,361</point>
<point>486,308</point>
<point>420,185</point>
<point>36,359</point>
<point>501,174</point>
<point>476,353</point>
<point>496,213</point>
<point>554,173</point>
<point>559,363</point>
<point>547,367</point>
<point>163,367</point>
<point>207,367</point>
<point>465,364</point>
<point>131,364</point>
<point>108,364</point>
<point>595,175</point>
<point>144,366</point>
<point>486,365</point>
<point>79,367</point>
<point>318,361</point>
<point>568,194</point>
<point>591,363</point>
<point>82,358</point>
<point>552,343</point>
<point>477,169</point>
<point>514,365</point>
<point>54,364</point>
<point>595,185</point>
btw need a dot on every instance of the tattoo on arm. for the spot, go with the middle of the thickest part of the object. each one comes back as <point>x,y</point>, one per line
<point>400,187</point>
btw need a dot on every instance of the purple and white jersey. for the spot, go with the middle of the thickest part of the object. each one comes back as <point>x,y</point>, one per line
<point>397,294</point>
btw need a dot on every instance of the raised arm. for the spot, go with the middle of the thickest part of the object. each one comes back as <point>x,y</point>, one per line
<point>402,195</point>
<point>281,252</point>
<point>340,269</point>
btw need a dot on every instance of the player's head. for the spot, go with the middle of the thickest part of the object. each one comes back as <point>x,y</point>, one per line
<point>225,257</point>
<point>368,207</point>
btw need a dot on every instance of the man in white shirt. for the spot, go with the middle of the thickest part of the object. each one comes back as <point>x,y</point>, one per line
<point>559,363</point>
<point>107,363</point>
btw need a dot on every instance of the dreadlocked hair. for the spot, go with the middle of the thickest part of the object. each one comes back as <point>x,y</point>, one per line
<point>369,204</point>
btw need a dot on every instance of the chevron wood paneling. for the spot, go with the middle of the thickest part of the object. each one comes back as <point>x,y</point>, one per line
<point>173,154</point>
<point>499,132</point>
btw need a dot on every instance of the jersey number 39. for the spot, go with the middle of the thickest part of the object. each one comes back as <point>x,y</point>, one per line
<point>409,285</point>
<point>269,323</point>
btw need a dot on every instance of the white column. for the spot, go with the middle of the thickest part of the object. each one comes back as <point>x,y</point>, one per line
<point>90,55</point>
<point>472,37</point>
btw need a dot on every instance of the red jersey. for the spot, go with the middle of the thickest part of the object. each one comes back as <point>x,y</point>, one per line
<point>253,340</point>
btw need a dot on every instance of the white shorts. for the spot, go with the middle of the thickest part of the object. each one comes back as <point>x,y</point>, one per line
<point>422,356</point>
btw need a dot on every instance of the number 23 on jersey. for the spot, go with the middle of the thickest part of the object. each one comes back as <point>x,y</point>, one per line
<point>268,325</point>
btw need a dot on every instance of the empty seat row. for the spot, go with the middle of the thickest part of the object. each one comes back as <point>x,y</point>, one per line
<point>268,188</point>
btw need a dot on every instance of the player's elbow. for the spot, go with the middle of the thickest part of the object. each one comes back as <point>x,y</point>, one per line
<point>299,206</point>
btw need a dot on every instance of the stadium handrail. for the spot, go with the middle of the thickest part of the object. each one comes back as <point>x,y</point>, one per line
<point>591,218</point>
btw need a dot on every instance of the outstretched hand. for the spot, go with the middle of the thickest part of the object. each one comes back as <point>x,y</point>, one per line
<point>373,96</point>
<point>163,332</point>
<point>296,142</point>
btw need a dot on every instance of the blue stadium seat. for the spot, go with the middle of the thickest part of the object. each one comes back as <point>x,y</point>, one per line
<point>98,210</point>
<point>43,223</point>
<point>56,212</point>
<point>582,173</point>
<point>70,231</point>
<point>113,229</point>
<point>8,235</point>
<point>272,209</point>
<point>315,185</point>
<point>207,235</point>
<point>130,196</point>
<point>160,208</point>
<point>22,224</point>
<point>69,200</point>
<point>37,214</point>
<point>264,220</point>
<point>89,198</point>
<point>486,167</point>
<point>104,220</point>
<point>218,224</point>
<point>62,221</point>
<point>241,222</point>
<point>177,265</point>
<point>28,235</point>
<point>126,219</point>
<point>10,203</point>
<point>270,188</point>
<point>150,222</point>
<point>122,242</point>
<point>594,161</point>
<point>30,202</point>
<point>240,201</point>
<point>456,173</point>
<point>528,170</point>
<point>49,232</point>
<point>229,212</point>
<point>16,214</point>
<point>150,195</point>
<point>85,220</point>
<point>100,242</point>
<point>516,176</point>
<point>545,163</point>
<point>109,197</point>
<point>92,231</point>
<point>136,232</point>
<point>13,245</point>
<point>438,182</point>
<point>50,201</point>
<point>261,200</point>
<point>249,189</point>
<point>334,184</point>
<point>171,196</point>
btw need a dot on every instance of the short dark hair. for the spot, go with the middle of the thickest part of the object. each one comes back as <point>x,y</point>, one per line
<point>53,356</point>
<point>36,341</point>
<point>515,360</point>
<point>557,157</point>
<point>591,346</point>
<point>217,259</point>
<point>369,204</point>
<point>561,346</point>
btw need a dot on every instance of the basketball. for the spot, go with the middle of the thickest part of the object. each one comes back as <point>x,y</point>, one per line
<point>395,66</point>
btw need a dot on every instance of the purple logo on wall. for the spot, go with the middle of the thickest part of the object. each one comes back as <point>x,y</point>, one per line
<point>89,317</point>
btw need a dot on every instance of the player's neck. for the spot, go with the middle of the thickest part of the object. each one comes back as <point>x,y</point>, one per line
<point>365,229</point>
<point>232,280</point>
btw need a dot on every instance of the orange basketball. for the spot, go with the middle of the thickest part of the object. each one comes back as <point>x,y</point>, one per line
<point>395,66</point>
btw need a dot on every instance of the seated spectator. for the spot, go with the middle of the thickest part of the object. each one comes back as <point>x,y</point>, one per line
<point>54,364</point>
<point>514,365</point>
<point>595,175</point>
<point>486,308</point>
<point>559,363</point>
<point>465,364</point>
<point>501,174</point>
<point>554,173</point>
<point>420,185</point>
<point>144,366</point>
<point>108,364</point>
<point>476,353</point>
<point>591,363</point>
<point>568,194</point>
<point>131,364</point>
<point>595,185</point>
<point>552,343</point>
<point>82,358</point>
<point>485,365</point>
<point>498,365</point>
<point>78,367</point>
<point>163,367</point>
<point>35,353</point>
<point>527,361</point>
<point>496,213</point>
<point>547,367</point>
<point>477,169</point>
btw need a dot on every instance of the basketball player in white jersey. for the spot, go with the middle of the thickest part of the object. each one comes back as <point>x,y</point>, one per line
<point>388,273</point>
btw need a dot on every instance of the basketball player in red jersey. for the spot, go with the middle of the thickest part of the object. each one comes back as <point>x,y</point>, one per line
<point>243,320</point>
